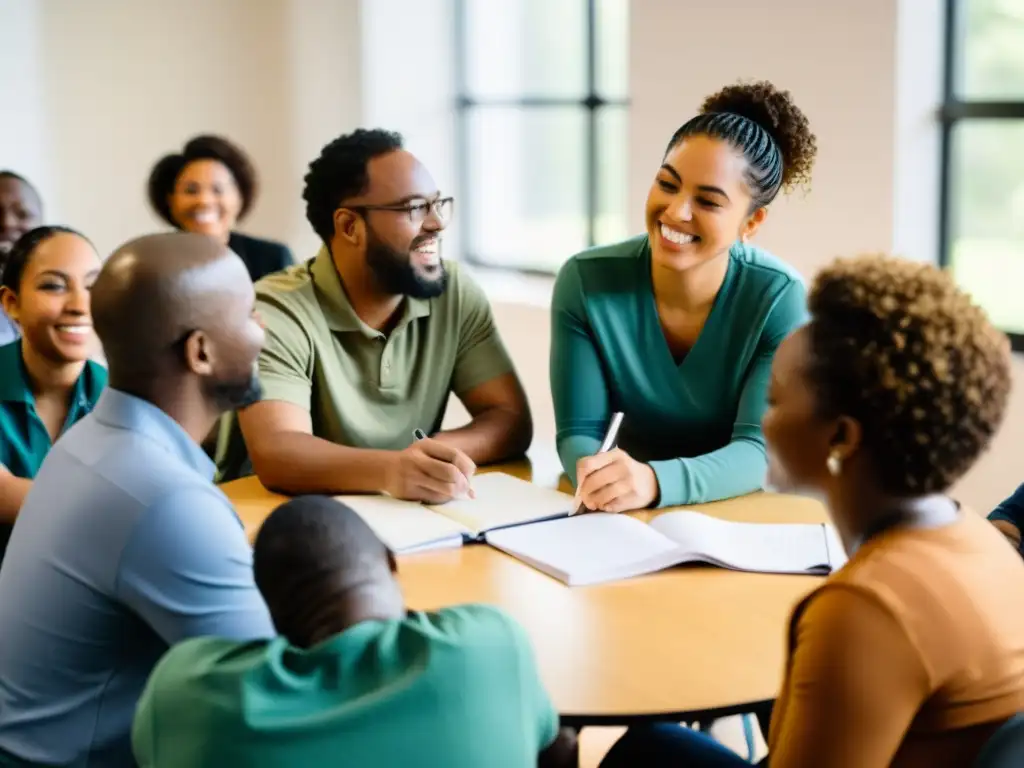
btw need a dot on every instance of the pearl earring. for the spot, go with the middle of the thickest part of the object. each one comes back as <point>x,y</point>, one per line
<point>834,464</point>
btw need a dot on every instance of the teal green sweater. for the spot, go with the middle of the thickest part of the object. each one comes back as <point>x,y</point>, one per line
<point>698,423</point>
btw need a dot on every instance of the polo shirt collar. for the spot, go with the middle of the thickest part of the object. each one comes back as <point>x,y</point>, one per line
<point>15,387</point>
<point>120,410</point>
<point>336,307</point>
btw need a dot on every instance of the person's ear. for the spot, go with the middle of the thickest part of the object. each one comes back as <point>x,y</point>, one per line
<point>844,443</point>
<point>199,354</point>
<point>349,227</point>
<point>752,223</point>
<point>9,301</point>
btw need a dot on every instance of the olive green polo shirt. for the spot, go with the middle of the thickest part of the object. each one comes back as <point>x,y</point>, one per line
<point>24,441</point>
<point>364,388</point>
<point>458,688</point>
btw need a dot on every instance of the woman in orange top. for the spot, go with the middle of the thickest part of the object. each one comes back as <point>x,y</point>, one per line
<point>912,654</point>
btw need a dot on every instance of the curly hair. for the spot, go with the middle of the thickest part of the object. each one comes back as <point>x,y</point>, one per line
<point>896,345</point>
<point>168,168</point>
<point>767,128</point>
<point>340,172</point>
<point>25,247</point>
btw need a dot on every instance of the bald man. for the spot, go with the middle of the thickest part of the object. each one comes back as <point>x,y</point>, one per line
<point>458,687</point>
<point>124,546</point>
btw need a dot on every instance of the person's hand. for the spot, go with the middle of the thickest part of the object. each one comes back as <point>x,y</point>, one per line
<point>430,471</point>
<point>1009,530</point>
<point>615,482</point>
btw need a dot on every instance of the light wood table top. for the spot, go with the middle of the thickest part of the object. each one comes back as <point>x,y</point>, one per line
<point>687,643</point>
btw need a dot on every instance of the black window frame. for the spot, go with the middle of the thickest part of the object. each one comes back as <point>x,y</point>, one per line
<point>591,101</point>
<point>956,110</point>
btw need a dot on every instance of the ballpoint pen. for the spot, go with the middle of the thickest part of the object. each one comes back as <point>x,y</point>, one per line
<point>610,437</point>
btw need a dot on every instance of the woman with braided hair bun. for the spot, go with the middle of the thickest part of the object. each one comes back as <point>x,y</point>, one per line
<point>912,654</point>
<point>676,328</point>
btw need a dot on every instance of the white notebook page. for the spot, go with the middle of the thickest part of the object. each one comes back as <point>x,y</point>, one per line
<point>505,500</point>
<point>587,549</point>
<point>405,525</point>
<point>762,547</point>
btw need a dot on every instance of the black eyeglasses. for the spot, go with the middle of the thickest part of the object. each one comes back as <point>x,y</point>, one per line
<point>416,209</point>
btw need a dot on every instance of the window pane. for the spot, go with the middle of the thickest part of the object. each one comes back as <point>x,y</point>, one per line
<point>526,176</point>
<point>613,48</point>
<point>612,181</point>
<point>520,48</point>
<point>992,62</point>
<point>987,209</point>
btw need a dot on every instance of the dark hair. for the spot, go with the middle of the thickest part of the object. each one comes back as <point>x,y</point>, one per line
<point>8,174</point>
<point>310,550</point>
<point>165,173</point>
<point>896,345</point>
<point>766,127</point>
<point>340,173</point>
<point>21,252</point>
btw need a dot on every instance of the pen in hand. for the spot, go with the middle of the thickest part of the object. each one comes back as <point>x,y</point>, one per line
<point>610,436</point>
<point>419,434</point>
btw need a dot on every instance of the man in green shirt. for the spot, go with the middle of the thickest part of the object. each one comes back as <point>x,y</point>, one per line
<point>366,342</point>
<point>355,679</point>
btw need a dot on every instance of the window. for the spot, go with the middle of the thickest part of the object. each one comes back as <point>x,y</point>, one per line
<point>540,128</point>
<point>982,190</point>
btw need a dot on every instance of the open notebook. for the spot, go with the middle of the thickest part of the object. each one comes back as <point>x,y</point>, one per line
<point>501,501</point>
<point>593,548</point>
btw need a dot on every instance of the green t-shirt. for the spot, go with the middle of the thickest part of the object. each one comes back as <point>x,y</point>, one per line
<point>364,388</point>
<point>697,422</point>
<point>458,688</point>
<point>24,440</point>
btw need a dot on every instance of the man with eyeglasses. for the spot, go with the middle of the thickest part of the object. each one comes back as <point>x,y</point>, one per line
<point>366,342</point>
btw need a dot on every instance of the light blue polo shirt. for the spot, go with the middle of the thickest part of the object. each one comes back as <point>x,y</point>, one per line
<point>122,548</point>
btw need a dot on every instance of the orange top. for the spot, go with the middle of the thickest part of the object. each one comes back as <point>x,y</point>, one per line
<point>910,655</point>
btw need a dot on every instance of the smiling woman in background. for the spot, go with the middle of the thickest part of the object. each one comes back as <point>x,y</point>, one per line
<point>208,188</point>
<point>48,382</point>
<point>677,328</point>
<point>21,209</point>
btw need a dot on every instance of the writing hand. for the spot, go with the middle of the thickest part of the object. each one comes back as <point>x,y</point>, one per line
<point>430,471</point>
<point>615,482</point>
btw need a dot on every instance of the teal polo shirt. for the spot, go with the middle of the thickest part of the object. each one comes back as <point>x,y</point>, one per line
<point>458,688</point>
<point>24,441</point>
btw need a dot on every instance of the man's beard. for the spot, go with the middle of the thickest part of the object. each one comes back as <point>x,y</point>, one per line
<point>396,274</point>
<point>236,394</point>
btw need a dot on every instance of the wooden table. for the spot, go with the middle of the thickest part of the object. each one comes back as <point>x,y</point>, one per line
<point>686,644</point>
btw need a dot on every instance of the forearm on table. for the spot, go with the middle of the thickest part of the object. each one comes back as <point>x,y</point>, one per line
<point>13,491</point>
<point>734,470</point>
<point>296,462</point>
<point>497,434</point>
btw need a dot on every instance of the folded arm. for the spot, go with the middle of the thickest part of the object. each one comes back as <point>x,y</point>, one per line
<point>855,683</point>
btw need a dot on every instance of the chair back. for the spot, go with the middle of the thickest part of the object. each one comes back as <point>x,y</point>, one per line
<point>1005,749</point>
